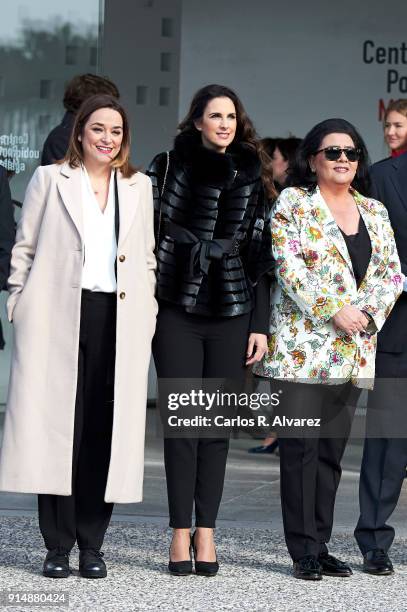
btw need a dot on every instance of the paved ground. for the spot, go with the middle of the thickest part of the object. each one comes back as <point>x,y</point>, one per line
<point>254,576</point>
<point>255,568</point>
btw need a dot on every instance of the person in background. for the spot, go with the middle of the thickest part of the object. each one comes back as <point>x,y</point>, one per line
<point>282,154</point>
<point>82,304</point>
<point>338,277</point>
<point>395,127</point>
<point>78,89</point>
<point>213,252</point>
<point>385,458</point>
<point>7,233</point>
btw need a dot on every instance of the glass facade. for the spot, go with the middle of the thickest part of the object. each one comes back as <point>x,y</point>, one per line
<point>42,46</point>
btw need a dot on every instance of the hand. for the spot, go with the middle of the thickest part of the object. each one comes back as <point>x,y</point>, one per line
<point>350,320</point>
<point>256,348</point>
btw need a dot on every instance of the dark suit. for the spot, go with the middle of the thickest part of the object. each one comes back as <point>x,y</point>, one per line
<point>385,457</point>
<point>56,144</point>
<point>7,233</point>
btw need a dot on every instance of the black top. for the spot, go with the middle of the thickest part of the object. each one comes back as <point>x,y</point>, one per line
<point>360,251</point>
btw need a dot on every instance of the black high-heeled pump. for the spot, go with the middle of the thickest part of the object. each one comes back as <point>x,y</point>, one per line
<point>180,568</point>
<point>204,568</point>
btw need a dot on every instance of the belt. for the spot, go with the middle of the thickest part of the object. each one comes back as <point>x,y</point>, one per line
<point>202,251</point>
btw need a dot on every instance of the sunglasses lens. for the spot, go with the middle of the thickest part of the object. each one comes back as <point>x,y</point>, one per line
<point>352,154</point>
<point>334,153</point>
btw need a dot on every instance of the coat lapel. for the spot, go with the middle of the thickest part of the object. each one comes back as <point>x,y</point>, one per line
<point>69,187</point>
<point>128,204</point>
<point>321,213</point>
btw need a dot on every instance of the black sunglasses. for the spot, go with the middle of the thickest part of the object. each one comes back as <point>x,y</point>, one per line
<point>334,153</point>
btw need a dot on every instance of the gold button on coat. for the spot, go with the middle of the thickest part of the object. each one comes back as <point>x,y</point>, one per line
<point>122,258</point>
<point>122,295</point>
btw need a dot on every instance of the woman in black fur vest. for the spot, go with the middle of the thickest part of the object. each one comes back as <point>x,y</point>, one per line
<point>212,225</point>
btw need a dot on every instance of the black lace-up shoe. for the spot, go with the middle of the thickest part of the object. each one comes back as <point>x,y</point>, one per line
<point>377,562</point>
<point>56,564</point>
<point>331,566</point>
<point>307,568</point>
<point>91,564</point>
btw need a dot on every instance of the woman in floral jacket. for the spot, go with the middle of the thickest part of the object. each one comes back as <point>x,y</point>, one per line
<point>338,278</point>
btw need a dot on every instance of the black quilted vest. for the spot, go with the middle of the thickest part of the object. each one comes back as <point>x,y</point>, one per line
<point>212,226</point>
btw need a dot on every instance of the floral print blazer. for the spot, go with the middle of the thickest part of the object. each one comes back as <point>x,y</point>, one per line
<point>315,280</point>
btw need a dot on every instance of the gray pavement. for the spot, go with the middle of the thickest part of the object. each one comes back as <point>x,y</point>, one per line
<point>255,568</point>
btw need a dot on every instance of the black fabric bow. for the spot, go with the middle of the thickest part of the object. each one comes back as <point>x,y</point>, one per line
<point>202,251</point>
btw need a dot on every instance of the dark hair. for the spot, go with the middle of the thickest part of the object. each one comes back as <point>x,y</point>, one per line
<point>301,175</point>
<point>84,86</point>
<point>245,131</point>
<point>74,155</point>
<point>269,145</point>
<point>288,148</point>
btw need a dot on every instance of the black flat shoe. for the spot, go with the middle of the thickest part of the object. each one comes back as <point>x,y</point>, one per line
<point>91,564</point>
<point>331,566</point>
<point>307,568</point>
<point>204,568</point>
<point>377,562</point>
<point>180,568</point>
<point>56,564</point>
<point>264,450</point>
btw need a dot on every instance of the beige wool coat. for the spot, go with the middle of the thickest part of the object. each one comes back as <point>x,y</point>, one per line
<point>44,305</point>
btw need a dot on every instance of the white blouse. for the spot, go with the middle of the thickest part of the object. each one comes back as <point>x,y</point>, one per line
<point>100,239</point>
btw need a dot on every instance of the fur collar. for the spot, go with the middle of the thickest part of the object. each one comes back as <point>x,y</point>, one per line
<point>208,167</point>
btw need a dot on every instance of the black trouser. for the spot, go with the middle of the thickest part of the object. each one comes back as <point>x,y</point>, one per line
<point>310,468</point>
<point>84,516</point>
<point>193,346</point>
<point>384,458</point>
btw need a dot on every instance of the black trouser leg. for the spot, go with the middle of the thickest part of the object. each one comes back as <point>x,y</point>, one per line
<point>178,353</point>
<point>330,453</point>
<point>298,479</point>
<point>84,516</point>
<point>211,467</point>
<point>180,458</point>
<point>92,512</point>
<point>384,458</point>
<point>191,346</point>
<point>224,357</point>
<point>381,478</point>
<point>310,470</point>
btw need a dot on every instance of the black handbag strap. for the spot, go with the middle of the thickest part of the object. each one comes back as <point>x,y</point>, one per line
<point>161,196</point>
<point>116,208</point>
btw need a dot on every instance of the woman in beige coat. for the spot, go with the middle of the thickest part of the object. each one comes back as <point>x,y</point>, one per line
<point>81,284</point>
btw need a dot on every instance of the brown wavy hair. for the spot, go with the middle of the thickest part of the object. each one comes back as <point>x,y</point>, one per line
<point>245,131</point>
<point>400,106</point>
<point>74,156</point>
